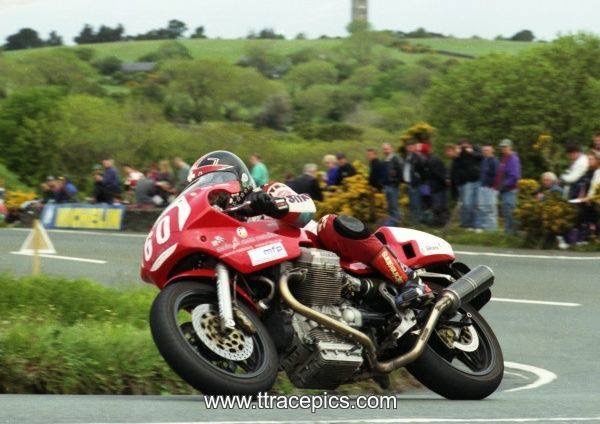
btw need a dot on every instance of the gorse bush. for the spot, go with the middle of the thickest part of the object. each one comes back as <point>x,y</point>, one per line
<point>542,220</point>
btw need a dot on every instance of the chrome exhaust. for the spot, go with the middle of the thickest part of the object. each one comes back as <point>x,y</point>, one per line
<point>469,286</point>
<point>463,290</point>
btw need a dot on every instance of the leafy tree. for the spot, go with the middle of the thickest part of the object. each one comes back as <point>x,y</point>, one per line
<point>108,65</point>
<point>105,34</point>
<point>86,35</point>
<point>54,39</point>
<point>300,36</point>
<point>313,72</point>
<point>524,35</point>
<point>267,61</point>
<point>176,28</point>
<point>27,135</point>
<point>167,50</point>
<point>276,112</point>
<point>265,34</point>
<point>553,89</point>
<point>315,103</point>
<point>199,33</point>
<point>25,38</point>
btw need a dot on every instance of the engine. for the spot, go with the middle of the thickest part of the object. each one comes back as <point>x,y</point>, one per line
<point>318,357</point>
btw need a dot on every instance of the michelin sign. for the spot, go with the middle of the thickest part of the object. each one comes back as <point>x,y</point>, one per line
<point>83,216</point>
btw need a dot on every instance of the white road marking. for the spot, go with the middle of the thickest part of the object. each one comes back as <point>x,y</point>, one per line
<point>64,258</point>
<point>535,302</point>
<point>87,233</point>
<point>400,421</point>
<point>544,376</point>
<point>523,256</point>
<point>515,373</point>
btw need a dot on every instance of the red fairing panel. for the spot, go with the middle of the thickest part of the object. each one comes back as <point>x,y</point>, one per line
<point>191,225</point>
<point>416,249</point>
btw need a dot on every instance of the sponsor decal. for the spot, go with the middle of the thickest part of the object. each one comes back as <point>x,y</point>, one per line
<point>242,232</point>
<point>267,253</point>
<point>389,262</point>
<point>298,198</point>
<point>217,241</point>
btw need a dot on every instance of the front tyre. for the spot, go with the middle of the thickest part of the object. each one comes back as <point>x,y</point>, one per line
<point>184,324</point>
<point>460,371</point>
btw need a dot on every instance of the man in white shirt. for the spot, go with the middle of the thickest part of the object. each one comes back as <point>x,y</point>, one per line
<point>578,168</point>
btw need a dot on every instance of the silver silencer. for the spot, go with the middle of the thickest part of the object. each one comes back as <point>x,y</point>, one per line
<point>469,286</point>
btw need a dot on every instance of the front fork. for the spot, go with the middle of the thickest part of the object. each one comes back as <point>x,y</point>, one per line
<point>224,297</point>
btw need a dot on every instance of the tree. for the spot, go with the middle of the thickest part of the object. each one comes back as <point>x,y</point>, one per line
<point>108,65</point>
<point>54,39</point>
<point>553,89</point>
<point>25,38</point>
<point>86,35</point>
<point>313,72</point>
<point>176,29</point>
<point>524,35</point>
<point>265,34</point>
<point>199,33</point>
<point>167,50</point>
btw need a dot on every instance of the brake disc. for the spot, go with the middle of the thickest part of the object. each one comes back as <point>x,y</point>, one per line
<point>230,344</point>
<point>468,340</point>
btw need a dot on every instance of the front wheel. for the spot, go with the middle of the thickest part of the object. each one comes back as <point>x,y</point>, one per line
<point>186,329</point>
<point>461,361</point>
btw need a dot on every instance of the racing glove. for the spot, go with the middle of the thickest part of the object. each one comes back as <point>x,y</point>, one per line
<point>263,204</point>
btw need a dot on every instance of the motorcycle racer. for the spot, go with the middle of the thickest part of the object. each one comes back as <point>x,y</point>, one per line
<point>346,236</point>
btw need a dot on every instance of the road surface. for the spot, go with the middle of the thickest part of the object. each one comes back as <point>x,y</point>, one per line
<point>546,314</point>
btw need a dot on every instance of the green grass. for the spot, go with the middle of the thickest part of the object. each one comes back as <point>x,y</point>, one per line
<point>10,181</point>
<point>232,50</point>
<point>474,47</point>
<point>60,336</point>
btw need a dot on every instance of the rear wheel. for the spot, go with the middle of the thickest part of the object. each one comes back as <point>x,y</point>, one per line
<point>186,329</point>
<point>463,360</point>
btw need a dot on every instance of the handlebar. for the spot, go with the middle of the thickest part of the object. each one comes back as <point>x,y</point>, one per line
<point>237,208</point>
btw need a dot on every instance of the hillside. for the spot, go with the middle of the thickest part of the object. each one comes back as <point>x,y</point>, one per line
<point>232,50</point>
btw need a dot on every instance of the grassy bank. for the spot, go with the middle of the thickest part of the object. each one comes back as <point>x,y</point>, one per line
<point>62,336</point>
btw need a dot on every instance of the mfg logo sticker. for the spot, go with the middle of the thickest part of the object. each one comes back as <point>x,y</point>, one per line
<point>267,253</point>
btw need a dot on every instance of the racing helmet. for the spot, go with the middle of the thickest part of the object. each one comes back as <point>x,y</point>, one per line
<point>220,167</point>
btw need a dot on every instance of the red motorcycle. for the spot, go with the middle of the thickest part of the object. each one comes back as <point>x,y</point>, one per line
<point>242,299</point>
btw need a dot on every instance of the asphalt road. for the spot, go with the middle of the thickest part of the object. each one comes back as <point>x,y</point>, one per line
<point>551,348</point>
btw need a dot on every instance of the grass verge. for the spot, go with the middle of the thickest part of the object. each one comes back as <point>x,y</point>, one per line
<point>61,336</point>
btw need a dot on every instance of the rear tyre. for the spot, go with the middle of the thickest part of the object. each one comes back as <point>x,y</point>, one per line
<point>193,360</point>
<point>443,371</point>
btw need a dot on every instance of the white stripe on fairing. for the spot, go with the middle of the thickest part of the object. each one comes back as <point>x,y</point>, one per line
<point>163,257</point>
<point>64,258</point>
<point>523,256</point>
<point>544,376</point>
<point>535,302</point>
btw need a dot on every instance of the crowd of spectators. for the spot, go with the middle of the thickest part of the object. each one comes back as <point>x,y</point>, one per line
<point>481,183</point>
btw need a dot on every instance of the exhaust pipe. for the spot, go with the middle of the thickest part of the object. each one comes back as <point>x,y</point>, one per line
<point>469,286</point>
<point>463,290</point>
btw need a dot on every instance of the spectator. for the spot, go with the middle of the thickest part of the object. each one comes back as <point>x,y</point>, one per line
<point>468,174</point>
<point>146,193</point>
<point>259,172</point>
<point>436,179</point>
<point>573,175</point>
<point>549,184</point>
<point>345,168</point>
<point>487,205</point>
<point>412,175</point>
<point>596,143</point>
<point>165,172</point>
<point>507,177</point>
<point>392,176</point>
<point>55,191</point>
<point>183,169</point>
<point>132,176</point>
<point>110,177</point>
<point>376,170</point>
<point>333,170</point>
<point>587,217</point>
<point>451,151</point>
<point>70,188</point>
<point>153,172</point>
<point>307,183</point>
